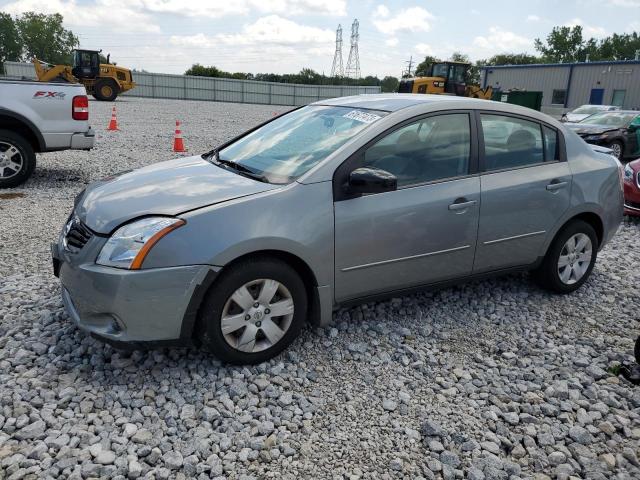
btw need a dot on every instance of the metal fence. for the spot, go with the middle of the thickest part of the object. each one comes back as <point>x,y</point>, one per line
<point>184,87</point>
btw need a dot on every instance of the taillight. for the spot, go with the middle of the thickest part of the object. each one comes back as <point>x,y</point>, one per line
<point>80,109</point>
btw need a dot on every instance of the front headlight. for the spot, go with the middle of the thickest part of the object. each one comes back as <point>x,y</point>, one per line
<point>600,136</point>
<point>129,245</point>
<point>628,173</point>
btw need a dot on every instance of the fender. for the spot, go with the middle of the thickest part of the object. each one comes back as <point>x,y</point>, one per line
<point>29,124</point>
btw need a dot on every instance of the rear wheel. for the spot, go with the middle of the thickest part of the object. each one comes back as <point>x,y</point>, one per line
<point>253,311</point>
<point>618,149</point>
<point>570,258</point>
<point>17,159</point>
<point>105,90</point>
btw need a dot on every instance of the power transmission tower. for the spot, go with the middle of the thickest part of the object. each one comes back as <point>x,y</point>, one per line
<point>336,67</point>
<point>353,64</point>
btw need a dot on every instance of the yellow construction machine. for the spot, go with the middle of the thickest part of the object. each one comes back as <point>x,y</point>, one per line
<point>445,78</point>
<point>105,81</point>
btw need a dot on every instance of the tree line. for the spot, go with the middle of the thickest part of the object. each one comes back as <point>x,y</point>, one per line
<point>306,76</point>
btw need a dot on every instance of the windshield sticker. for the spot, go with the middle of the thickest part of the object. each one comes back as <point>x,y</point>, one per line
<point>360,116</point>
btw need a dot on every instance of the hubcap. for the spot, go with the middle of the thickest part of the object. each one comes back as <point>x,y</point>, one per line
<point>11,160</point>
<point>257,315</point>
<point>106,91</point>
<point>575,258</point>
<point>617,150</point>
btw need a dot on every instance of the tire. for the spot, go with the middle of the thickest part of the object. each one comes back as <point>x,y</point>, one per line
<point>618,149</point>
<point>248,322</point>
<point>551,276</point>
<point>17,159</point>
<point>105,90</point>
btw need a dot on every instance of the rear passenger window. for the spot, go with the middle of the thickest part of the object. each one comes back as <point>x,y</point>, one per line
<point>511,142</point>
<point>551,150</point>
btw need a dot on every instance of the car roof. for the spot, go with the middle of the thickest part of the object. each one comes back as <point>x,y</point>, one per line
<point>390,102</point>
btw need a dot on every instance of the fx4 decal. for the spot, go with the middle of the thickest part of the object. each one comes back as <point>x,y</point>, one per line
<point>43,94</point>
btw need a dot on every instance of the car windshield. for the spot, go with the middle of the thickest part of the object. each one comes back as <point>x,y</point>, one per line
<point>588,109</point>
<point>613,119</point>
<point>287,147</point>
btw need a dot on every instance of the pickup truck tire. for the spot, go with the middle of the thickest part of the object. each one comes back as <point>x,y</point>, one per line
<point>105,90</point>
<point>17,159</point>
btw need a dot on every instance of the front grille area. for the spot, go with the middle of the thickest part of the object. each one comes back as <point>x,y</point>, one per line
<point>76,235</point>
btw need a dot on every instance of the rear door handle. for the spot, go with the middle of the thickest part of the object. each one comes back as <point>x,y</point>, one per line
<point>462,205</point>
<point>555,185</point>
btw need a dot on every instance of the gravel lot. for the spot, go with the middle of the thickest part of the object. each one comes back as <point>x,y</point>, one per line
<point>493,379</point>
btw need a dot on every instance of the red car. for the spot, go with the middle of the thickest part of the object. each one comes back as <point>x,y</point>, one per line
<point>632,188</point>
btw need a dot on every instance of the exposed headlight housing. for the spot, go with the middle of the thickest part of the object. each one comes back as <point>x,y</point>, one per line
<point>130,244</point>
<point>599,136</point>
<point>628,173</point>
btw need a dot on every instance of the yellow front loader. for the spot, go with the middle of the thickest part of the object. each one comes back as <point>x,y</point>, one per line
<point>445,78</point>
<point>104,81</point>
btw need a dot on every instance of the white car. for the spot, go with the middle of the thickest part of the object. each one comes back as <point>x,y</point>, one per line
<point>584,111</point>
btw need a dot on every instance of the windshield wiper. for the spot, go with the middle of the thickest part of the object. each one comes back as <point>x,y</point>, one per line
<point>241,169</point>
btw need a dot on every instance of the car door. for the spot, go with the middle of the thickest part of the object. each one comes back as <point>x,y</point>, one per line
<point>423,232</point>
<point>525,189</point>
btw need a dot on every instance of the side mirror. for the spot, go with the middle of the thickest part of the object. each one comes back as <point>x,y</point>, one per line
<point>371,180</point>
<point>633,127</point>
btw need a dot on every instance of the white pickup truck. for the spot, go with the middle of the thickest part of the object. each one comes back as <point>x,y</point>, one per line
<point>39,117</point>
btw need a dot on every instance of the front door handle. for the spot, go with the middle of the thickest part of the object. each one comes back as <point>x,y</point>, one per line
<point>462,204</point>
<point>556,185</point>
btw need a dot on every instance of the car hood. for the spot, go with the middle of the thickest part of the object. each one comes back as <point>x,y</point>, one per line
<point>582,129</point>
<point>576,117</point>
<point>165,188</point>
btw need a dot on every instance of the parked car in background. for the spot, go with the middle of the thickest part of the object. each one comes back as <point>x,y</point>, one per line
<point>632,188</point>
<point>584,111</point>
<point>39,117</point>
<point>344,200</point>
<point>619,131</point>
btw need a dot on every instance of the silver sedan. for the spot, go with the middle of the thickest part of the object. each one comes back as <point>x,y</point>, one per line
<point>345,200</point>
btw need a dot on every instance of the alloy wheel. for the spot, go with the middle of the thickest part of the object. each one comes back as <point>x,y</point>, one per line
<point>575,258</point>
<point>11,160</point>
<point>617,150</point>
<point>257,315</point>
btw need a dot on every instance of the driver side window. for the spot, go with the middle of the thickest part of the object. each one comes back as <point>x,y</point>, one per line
<point>431,149</point>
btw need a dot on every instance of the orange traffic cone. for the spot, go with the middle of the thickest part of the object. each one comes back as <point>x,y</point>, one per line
<point>113,124</point>
<point>178,145</point>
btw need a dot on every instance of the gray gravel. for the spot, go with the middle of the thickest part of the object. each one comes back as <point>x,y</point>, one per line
<point>489,380</point>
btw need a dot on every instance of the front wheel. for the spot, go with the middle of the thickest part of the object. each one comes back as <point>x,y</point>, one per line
<point>253,311</point>
<point>570,258</point>
<point>105,90</point>
<point>618,149</point>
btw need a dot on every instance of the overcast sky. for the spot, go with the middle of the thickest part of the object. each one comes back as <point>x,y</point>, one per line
<point>284,36</point>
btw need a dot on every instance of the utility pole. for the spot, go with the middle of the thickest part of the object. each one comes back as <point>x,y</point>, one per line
<point>409,67</point>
